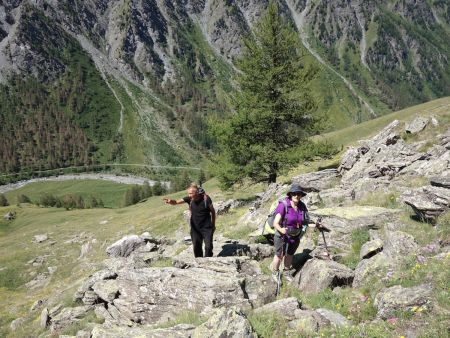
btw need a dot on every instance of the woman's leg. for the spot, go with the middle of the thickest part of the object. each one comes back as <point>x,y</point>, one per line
<point>279,253</point>
<point>276,263</point>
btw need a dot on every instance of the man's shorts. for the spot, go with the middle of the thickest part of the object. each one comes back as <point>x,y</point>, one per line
<point>280,245</point>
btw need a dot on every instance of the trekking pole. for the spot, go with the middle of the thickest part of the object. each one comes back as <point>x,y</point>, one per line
<point>277,292</point>
<point>322,230</point>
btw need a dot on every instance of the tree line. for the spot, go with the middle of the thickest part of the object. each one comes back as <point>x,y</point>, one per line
<point>68,201</point>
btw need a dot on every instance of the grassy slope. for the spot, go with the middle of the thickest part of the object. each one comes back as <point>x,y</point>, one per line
<point>152,215</point>
<point>111,193</point>
<point>367,129</point>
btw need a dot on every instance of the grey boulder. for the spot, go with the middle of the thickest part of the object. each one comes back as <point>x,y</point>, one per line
<point>318,275</point>
<point>399,298</point>
<point>228,323</point>
<point>125,246</point>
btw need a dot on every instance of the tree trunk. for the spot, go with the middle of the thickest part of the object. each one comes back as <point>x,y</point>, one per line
<point>273,172</point>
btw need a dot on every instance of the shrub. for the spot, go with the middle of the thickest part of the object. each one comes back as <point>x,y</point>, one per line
<point>23,199</point>
<point>48,200</point>
<point>3,201</point>
<point>443,228</point>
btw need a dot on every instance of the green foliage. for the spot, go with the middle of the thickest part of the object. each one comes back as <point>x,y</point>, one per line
<point>158,189</point>
<point>3,201</point>
<point>23,199</point>
<point>68,201</point>
<point>162,263</point>
<point>443,227</point>
<point>185,317</point>
<point>359,237</point>
<point>201,177</point>
<point>138,193</point>
<point>380,199</point>
<point>273,106</point>
<point>48,200</point>
<point>267,325</point>
<point>108,194</point>
<point>60,118</point>
<point>181,181</point>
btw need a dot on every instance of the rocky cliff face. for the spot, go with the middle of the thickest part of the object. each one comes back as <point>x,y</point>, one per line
<point>377,56</point>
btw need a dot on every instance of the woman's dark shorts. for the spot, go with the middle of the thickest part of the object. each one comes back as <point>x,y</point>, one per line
<point>280,245</point>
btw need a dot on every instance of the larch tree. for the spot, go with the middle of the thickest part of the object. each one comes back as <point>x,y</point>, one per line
<point>273,110</point>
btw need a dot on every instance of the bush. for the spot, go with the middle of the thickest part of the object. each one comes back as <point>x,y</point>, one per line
<point>3,201</point>
<point>443,228</point>
<point>23,199</point>
<point>158,189</point>
<point>48,200</point>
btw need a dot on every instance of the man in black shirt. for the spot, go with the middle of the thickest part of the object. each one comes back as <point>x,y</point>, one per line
<point>203,219</point>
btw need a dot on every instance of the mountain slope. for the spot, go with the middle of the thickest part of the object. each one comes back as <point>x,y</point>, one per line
<point>137,80</point>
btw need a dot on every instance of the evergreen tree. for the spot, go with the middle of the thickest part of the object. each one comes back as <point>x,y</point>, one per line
<point>135,194</point>
<point>273,108</point>
<point>181,181</point>
<point>158,189</point>
<point>127,198</point>
<point>146,190</point>
<point>201,177</point>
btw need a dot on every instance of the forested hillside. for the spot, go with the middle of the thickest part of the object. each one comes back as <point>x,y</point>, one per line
<point>136,81</point>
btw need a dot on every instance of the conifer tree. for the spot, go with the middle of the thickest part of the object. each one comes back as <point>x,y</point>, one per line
<point>273,108</point>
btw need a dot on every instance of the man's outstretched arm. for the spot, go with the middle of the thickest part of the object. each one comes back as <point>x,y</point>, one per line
<point>173,202</point>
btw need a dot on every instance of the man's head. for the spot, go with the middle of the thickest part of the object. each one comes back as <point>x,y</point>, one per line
<point>193,192</point>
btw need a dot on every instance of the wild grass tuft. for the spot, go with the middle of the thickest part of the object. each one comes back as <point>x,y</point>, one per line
<point>359,237</point>
<point>185,317</point>
<point>266,325</point>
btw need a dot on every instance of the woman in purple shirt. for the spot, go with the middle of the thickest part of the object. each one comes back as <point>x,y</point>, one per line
<point>291,219</point>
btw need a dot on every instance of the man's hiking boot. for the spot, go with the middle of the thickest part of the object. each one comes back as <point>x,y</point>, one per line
<point>288,275</point>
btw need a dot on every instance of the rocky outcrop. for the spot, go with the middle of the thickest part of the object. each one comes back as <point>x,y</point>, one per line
<point>135,293</point>
<point>177,331</point>
<point>318,181</point>
<point>285,308</point>
<point>258,211</point>
<point>399,298</point>
<point>374,267</point>
<point>417,125</point>
<point>386,159</point>
<point>40,238</point>
<point>442,182</point>
<point>9,216</point>
<point>125,246</point>
<point>335,319</point>
<point>68,316</point>
<point>428,202</point>
<point>317,275</point>
<point>371,248</point>
<point>225,323</point>
<point>222,207</point>
<point>343,221</point>
<point>398,245</point>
